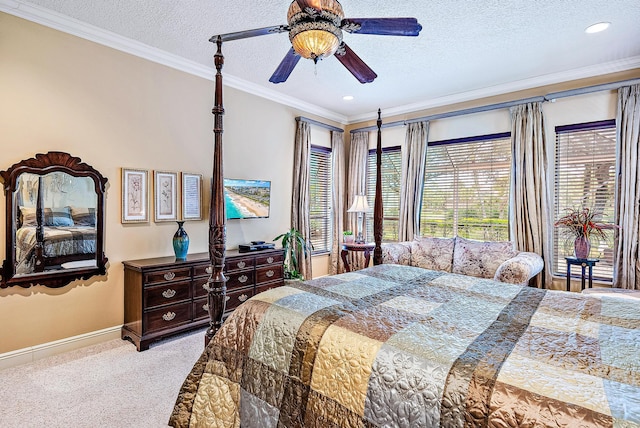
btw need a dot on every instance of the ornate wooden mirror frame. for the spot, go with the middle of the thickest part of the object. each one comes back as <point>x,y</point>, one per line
<point>70,267</point>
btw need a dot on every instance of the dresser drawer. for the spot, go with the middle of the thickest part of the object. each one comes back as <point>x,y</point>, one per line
<point>237,297</point>
<point>167,293</point>
<point>268,273</point>
<point>240,279</point>
<point>200,309</point>
<point>268,259</point>
<point>268,286</point>
<point>167,317</point>
<point>156,277</point>
<point>231,265</point>
<point>201,270</point>
<point>198,287</point>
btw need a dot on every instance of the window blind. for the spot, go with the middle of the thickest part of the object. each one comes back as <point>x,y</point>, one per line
<point>391,181</point>
<point>466,188</point>
<point>585,170</point>
<point>320,199</point>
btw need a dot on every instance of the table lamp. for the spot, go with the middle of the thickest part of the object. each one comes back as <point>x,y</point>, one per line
<point>360,206</point>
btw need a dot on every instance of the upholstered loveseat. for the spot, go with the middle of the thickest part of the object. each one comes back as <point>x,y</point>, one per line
<point>493,260</point>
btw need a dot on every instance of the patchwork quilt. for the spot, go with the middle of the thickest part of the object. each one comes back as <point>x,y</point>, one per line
<point>58,241</point>
<point>401,346</point>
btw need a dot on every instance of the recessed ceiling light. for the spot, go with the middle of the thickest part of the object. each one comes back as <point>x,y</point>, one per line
<point>596,28</point>
<point>348,98</point>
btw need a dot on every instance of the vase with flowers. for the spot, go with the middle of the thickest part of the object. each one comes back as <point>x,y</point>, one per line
<point>580,224</point>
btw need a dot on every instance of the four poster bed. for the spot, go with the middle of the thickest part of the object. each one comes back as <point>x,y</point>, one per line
<point>395,345</point>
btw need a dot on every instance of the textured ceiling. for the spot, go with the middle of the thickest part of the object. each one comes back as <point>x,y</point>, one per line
<point>466,47</point>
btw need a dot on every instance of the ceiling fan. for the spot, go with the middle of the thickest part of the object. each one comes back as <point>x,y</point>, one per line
<point>315,30</point>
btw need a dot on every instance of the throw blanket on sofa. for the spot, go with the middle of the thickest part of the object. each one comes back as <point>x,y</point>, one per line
<point>403,346</point>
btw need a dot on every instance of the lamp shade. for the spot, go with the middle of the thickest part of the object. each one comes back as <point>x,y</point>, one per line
<point>360,205</point>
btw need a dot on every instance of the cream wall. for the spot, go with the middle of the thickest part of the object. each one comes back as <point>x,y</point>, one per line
<point>114,110</point>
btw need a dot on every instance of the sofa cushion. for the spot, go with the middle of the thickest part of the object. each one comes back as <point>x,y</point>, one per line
<point>432,253</point>
<point>480,259</point>
<point>397,253</point>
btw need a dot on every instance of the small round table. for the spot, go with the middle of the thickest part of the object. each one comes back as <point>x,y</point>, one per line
<point>584,263</point>
<point>366,248</point>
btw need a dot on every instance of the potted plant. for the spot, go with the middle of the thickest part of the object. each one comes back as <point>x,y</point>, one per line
<point>579,224</point>
<point>291,241</point>
<point>348,237</point>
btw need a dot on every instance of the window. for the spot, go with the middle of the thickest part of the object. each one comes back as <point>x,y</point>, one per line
<point>391,176</point>
<point>466,188</point>
<point>585,177</point>
<point>320,199</point>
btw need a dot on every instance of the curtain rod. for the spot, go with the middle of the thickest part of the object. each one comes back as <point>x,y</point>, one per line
<point>507,104</point>
<point>320,124</point>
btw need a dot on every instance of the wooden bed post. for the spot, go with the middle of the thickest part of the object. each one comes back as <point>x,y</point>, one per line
<point>377,205</point>
<point>216,284</point>
<point>39,248</point>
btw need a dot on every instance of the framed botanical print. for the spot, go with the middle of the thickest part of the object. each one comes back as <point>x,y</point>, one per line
<point>135,196</point>
<point>191,192</point>
<point>165,193</point>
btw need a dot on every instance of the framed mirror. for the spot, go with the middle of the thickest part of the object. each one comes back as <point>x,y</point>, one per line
<point>55,221</point>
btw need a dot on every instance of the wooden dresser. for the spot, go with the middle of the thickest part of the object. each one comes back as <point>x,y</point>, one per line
<point>164,296</point>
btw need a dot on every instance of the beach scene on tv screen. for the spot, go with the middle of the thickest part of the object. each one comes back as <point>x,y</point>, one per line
<point>246,198</point>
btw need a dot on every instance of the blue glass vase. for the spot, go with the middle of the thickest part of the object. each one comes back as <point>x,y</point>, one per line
<point>180,242</point>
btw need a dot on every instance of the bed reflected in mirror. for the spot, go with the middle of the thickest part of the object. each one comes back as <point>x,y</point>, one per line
<point>55,207</point>
<point>69,227</point>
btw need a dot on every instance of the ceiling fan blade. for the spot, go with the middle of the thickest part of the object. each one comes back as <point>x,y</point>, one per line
<point>309,4</point>
<point>355,65</point>
<point>382,26</point>
<point>285,68</point>
<point>250,33</point>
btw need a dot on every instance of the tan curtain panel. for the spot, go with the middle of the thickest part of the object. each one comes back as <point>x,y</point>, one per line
<point>357,185</point>
<point>414,154</point>
<point>300,194</point>
<point>627,272</point>
<point>337,199</point>
<point>530,208</point>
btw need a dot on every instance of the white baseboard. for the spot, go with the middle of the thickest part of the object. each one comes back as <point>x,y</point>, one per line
<point>37,352</point>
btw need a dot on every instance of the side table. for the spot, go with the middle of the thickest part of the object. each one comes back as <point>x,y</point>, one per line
<point>584,263</point>
<point>366,248</point>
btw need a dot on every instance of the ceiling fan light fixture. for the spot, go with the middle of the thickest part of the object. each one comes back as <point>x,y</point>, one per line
<point>315,44</point>
<point>315,34</point>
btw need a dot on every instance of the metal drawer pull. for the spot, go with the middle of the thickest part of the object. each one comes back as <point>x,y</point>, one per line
<point>241,264</point>
<point>169,276</point>
<point>169,293</point>
<point>243,297</point>
<point>243,278</point>
<point>169,316</point>
<point>269,259</point>
<point>209,270</point>
<point>205,307</point>
<point>270,273</point>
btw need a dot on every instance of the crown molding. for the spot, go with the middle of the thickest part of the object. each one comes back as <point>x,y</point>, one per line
<point>519,85</point>
<point>92,33</point>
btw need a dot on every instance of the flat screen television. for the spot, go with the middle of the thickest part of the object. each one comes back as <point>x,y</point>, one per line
<point>247,198</point>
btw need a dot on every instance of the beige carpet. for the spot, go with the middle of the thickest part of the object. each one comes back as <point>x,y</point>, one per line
<point>106,385</point>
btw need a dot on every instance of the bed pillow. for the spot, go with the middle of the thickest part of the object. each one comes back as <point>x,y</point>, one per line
<point>28,216</point>
<point>480,259</point>
<point>58,217</point>
<point>432,253</point>
<point>83,216</point>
